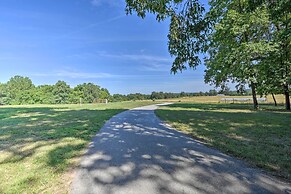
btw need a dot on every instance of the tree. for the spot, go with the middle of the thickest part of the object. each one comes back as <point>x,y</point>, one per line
<point>104,94</point>
<point>4,95</point>
<point>61,92</point>
<point>238,45</point>
<point>118,98</point>
<point>20,89</point>
<point>43,94</point>
<point>276,69</point>
<point>212,92</point>
<point>242,35</point>
<point>157,95</point>
<point>280,12</point>
<point>87,91</point>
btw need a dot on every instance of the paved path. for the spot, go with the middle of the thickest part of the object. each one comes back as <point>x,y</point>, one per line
<point>135,153</point>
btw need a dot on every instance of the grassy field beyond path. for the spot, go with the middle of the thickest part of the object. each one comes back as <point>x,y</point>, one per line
<point>261,137</point>
<point>40,144</point>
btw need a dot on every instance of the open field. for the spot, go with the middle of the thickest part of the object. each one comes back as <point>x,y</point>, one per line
<point>262,137</point>
<point>41,144</point>
<point>216,99</point>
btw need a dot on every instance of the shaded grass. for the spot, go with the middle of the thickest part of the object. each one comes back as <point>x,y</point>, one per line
<point>262,137</point>
<point>39,145</point>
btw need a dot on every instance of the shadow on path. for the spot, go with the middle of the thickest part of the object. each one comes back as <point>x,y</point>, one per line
<point>136,153</point>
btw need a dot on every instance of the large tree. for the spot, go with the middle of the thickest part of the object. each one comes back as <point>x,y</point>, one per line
<point>104,94</point>
<point>62,92</point>
<point>238,44</point>
<point>43,94</point>
<point>19,90</point>
<point>239,36</point>
<point>276,70</point>
<point>88,92</point>
<point>280,12</point>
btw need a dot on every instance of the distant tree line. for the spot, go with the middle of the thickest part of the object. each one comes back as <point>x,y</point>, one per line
<point>20,90</point>
<point>169,95</point>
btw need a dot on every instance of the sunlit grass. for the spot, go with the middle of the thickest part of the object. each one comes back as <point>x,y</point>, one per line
<point>262,137</point>
<point>216,99</point>
<point>41,144</point>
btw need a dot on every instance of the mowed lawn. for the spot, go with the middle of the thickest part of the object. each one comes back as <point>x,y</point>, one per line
<point>40,145</point>
<point>262,137</point>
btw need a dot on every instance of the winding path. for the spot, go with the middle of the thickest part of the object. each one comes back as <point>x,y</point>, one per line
<point>136,153</point>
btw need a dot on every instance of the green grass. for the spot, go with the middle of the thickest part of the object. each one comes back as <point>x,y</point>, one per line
<point>262,137</point>
<point>40,145</point>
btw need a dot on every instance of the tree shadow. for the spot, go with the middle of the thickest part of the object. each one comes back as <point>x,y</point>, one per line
<point>137,153</point>
<point>260,137</point>
<point>24,132</point>
<point>220,106</point>
<point>59,157</point>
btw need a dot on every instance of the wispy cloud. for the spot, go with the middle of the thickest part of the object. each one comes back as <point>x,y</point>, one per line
<point>153,63</point>
<point>136,57</point>
<point>156,67</point>
<point>98,3</point>
<point>90,26</point>
<point>74,74</point>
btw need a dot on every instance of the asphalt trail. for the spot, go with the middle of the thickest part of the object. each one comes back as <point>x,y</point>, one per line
<point>136,153</point>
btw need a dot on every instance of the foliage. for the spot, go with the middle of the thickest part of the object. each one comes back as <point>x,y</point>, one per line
<point>20,90</point>
<point>87,92</point>
<point>62,93</point>
<point>44,94</point>
<point>4,95</point>
<point>246,41</point>
<point>238,45</point>
<point>170,95</point>
<point>187,34</point>
<point>104,93</point>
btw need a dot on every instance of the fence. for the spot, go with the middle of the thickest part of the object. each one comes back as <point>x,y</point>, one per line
<point>233,100</point>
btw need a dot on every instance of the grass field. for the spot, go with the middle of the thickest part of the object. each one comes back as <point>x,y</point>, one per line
<point>40,145</point>
<point>216,99</point>
<point>262,137</point>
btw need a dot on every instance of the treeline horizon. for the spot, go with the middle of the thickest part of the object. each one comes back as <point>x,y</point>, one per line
<point>20,90</point>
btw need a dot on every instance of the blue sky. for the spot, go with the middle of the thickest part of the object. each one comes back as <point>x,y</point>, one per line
<point>89,41</point>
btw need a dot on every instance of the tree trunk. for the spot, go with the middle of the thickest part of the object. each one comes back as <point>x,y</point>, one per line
<point>253,87</point>
<point>287,97</point>
<point>274,99</point>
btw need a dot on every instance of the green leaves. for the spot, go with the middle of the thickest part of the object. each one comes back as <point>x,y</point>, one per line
<point>87,91</point>
<point>61,92</point>
<point>246,41</point>
<point>238,43</point>
<point>162,8</point>
<point>20,90</point>
<point>187,33</point>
